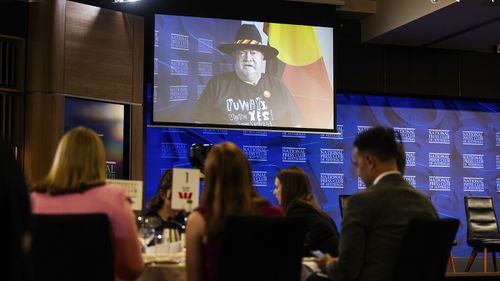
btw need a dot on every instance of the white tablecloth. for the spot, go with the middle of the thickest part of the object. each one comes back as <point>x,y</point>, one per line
<point>164,272</point>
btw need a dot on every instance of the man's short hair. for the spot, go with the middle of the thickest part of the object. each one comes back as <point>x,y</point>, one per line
<point>384,143</point>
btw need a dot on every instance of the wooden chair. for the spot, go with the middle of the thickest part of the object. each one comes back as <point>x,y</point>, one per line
<point>75,247</point>
<point>482,229</point>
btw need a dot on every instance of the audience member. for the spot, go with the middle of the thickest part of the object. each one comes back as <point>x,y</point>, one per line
<point>376,218</point>
<point>401,158</point>
<point>15,206</point>
<point>294,194</point>
<point>160,206</point>
<point>76,183</point>
<point>227,191</point>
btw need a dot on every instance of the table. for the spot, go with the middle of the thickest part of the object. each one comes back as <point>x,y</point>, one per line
<point>166,269</point>
<point>163,272</point>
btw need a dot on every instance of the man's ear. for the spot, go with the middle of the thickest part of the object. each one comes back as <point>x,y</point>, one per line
<point>371,160</point>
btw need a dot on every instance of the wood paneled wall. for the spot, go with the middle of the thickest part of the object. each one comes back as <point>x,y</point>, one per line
<point>81,51</point>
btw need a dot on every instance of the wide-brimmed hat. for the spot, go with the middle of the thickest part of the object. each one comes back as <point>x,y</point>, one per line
<point>248,37</point>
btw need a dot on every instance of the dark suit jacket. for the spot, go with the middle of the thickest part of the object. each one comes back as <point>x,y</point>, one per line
<point>321,232</point>
<point>373,226</point>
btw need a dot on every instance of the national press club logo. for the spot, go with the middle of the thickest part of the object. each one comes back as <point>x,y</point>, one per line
<point>497,157</point>
<point>205,69</point>
<point>439,136</point>
<point>497,139</point>
<point>441,160</point>
<point>411,180</point>
<point>407,134</point>
<point>255,152</point>
<point>439,183</point>
<point>173,150</point>
<point>410,158</point>
<point>363,128</point>
<point>293,135</point>
<point>293,154</point>
<point>205,45</point>
<point>338,135</point>
<point>179,42</point>
<point>255,133</point>
<point>259,178</point>
<point>472,138</point>
<point>331,180</point>
<point>179,67</point>
<point>473,184</point>
<point>178,93</point>
<point>331,156</point>
<point>214,132</point>
<point>473,161</point>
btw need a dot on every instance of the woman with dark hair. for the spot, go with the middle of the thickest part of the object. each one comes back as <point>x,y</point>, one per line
<point>160,206</point>
<point>228,191</point>
<point>293,192</point>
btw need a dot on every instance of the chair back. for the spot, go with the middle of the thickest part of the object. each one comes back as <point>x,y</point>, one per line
<point>481,219</point>
<point>425,249</point>
<point>72,247</point>
<point>261,248</point>
<point>343,198</point>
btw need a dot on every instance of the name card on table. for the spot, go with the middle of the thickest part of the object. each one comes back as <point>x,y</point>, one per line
<point>133,189</point>
<point>185,188</point>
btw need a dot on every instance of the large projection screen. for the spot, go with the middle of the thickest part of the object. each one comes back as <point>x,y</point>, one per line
<point>187,56</point>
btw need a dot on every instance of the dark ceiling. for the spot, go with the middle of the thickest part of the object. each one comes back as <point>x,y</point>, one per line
<point>472,25</point>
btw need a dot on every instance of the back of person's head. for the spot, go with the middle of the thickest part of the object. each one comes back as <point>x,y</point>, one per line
<point>401,159</point>
<point>384,143</point>
<point>79,164</point>
<point>295,186</point>
<point>228,186</point>
<point>164,186</point>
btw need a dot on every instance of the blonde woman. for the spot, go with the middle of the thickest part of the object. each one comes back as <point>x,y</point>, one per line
<point>76,183</point>
<point>227,191</point>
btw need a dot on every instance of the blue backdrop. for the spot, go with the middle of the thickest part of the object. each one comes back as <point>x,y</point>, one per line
<point>453,150</point>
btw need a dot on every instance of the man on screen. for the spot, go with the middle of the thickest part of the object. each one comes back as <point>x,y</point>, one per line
<point>247,96</point>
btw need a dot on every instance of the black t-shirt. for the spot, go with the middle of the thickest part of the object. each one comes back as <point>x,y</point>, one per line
<point>228,100</point>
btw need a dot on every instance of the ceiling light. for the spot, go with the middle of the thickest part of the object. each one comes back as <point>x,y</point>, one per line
<point>434,1</point>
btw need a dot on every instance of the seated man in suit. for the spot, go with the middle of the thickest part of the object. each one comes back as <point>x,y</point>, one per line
<point>375,219</point>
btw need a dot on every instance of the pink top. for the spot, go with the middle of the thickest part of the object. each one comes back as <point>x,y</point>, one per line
<point>107,199</point>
